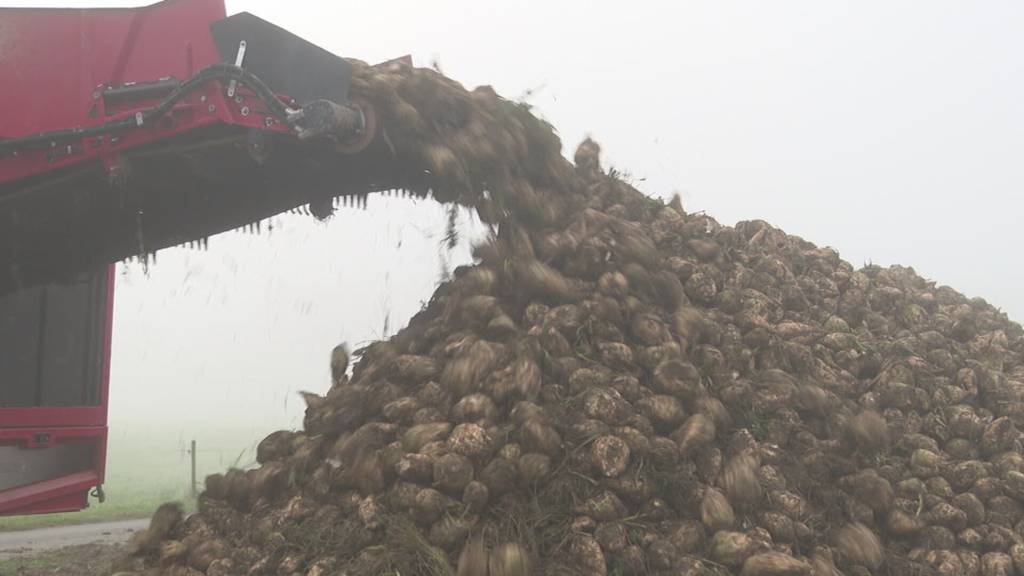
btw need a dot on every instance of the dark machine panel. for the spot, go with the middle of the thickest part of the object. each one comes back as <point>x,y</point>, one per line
<point>50,344</point>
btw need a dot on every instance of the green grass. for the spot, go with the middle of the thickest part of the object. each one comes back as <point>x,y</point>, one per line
<point>41,563</point>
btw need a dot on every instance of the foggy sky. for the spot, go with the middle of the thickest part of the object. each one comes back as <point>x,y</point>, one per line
<point>891,131</point>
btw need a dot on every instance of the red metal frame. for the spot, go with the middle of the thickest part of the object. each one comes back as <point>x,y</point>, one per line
<point>87,424</point>
<point>66,64</point>
<point>63,60</point>
<point>64,494</point>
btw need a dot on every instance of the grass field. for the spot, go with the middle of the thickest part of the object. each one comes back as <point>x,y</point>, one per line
<point>87,560</point>
<point>149,466</point>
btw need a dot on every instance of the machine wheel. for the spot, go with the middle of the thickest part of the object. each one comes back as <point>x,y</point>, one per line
<point>367,135</point>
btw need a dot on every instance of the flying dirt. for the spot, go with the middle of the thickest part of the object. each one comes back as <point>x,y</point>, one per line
<point>617,386</point>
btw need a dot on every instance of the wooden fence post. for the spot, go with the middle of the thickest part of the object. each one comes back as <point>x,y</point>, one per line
<point>193,451</point>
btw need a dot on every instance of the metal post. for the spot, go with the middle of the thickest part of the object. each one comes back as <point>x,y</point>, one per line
<point>193,452</point>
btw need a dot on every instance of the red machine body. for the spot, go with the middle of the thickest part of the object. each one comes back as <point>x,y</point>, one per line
<point>79,68</point>
<point>53,403</point>
<point>123,131</point>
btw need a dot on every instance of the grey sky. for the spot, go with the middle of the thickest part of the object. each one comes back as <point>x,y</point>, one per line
<point>892,131</point>
<point>231,335</point>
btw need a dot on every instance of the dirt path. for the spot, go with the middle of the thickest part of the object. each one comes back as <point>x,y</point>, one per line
<point>31,542</point>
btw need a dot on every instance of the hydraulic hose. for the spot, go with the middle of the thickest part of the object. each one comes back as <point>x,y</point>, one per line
<point>221,71</point>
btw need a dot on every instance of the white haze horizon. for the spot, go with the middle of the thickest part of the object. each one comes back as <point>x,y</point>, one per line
<point>890,131</point>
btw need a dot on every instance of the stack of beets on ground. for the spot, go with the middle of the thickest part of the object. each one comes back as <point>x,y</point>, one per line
<point>619,387</point>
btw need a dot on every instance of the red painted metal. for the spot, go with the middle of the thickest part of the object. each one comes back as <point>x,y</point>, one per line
<point>26,437</point>
<point>62,60</point>
<point>53,416</point>
<point>86,425</point>
<point>100,460</point>
<point>76,69</point>
<point>64,494</point>
<point>73,500</point>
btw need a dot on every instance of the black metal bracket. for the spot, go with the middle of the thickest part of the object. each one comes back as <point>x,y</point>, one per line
<point>284,61</point>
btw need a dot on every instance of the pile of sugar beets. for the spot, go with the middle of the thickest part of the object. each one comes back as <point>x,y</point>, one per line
<point>620,387</point>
